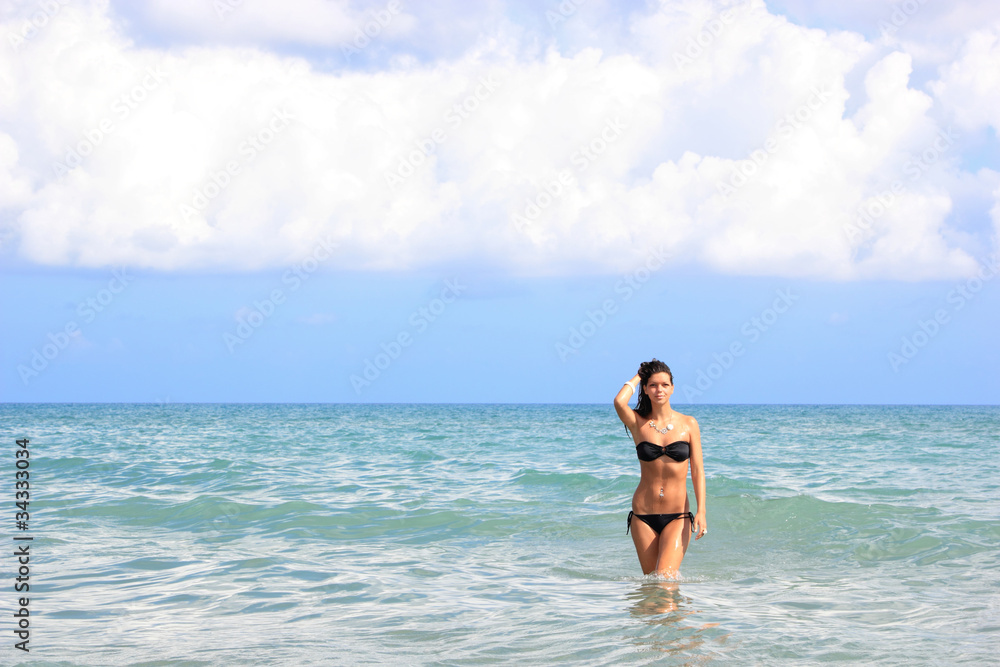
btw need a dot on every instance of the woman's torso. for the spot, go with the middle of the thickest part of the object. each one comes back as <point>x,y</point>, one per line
<point>664,472</point>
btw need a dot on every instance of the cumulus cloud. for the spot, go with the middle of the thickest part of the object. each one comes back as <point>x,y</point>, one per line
<point>722,134</point>
<point>969,91</point>
<point>970,86</point>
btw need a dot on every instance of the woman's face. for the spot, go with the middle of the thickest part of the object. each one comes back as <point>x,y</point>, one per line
<point>659,387</point>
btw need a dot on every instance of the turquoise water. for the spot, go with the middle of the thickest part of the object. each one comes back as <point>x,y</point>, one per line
<point>477,534</point>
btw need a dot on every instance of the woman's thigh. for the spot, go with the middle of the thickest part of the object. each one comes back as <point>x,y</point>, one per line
<point>673,545</point>
<point>646,546</point>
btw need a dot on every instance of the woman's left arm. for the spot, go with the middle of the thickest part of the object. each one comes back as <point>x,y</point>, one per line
<point>698,479</point>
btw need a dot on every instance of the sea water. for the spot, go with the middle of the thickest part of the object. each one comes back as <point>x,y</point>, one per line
<point>480,534</point>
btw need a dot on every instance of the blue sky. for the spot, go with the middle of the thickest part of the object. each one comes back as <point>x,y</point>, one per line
<point>792,202</point>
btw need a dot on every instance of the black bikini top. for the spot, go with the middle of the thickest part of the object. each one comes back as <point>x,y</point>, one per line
<point>678,451</point>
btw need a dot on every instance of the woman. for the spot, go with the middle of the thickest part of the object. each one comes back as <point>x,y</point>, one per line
<point>665,441</point>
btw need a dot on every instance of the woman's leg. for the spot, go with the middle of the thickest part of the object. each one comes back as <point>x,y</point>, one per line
<point>673,545</point>
<point>645,540</point>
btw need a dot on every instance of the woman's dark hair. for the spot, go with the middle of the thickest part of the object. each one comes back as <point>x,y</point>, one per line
<point>647,369</point>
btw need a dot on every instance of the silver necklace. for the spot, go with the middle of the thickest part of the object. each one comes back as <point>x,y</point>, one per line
<point>670,427</point>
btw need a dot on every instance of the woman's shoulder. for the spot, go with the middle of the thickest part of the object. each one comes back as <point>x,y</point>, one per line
<point>688,419</point>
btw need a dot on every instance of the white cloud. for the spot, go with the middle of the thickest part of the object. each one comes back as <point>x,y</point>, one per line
<point>970,86</point>
<point>205,129</point>
<point>13,183</point>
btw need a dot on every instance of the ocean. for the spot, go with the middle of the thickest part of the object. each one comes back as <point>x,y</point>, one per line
<point>437,534</point>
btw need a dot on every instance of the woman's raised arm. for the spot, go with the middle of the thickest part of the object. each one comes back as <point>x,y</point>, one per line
<point>625,413</point>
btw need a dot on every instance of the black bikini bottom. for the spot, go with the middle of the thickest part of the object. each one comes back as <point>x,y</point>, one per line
<point>656,521</point>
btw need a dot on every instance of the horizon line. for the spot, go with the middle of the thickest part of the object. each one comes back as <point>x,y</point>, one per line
<point>610,403</point>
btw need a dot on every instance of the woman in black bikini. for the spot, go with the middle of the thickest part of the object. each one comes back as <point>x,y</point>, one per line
<point>665,441</point>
